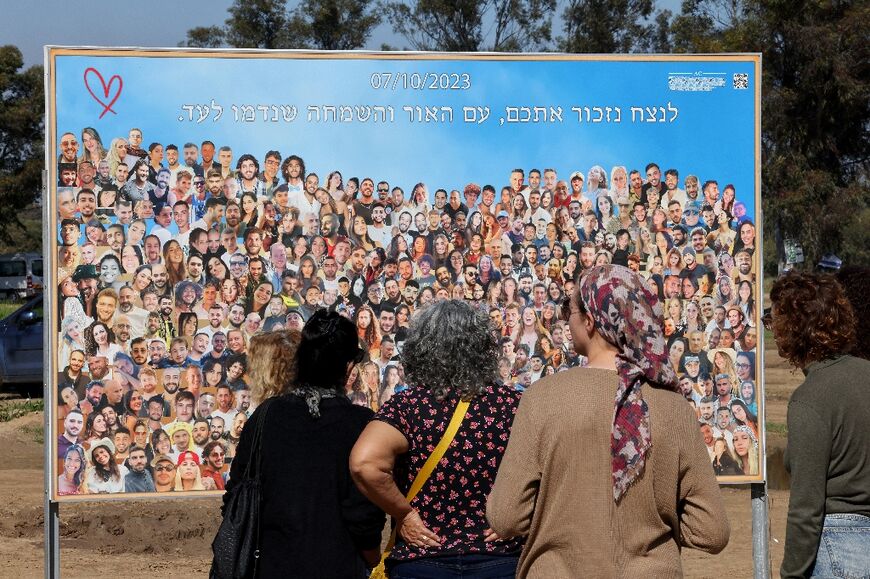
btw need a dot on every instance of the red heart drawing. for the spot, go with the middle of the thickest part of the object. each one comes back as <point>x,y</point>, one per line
<point>106,89</point>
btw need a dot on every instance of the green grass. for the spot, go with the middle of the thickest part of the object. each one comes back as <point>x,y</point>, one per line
<point>7,307</point>
<point>35,432</point>
<point>776,428</point>
<point>18,408</point>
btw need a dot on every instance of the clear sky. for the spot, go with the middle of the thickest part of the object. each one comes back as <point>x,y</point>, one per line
<point>34,23</point>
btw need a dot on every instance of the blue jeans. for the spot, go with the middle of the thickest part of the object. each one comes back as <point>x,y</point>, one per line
<point>476,565</point>
<point>844,549</point>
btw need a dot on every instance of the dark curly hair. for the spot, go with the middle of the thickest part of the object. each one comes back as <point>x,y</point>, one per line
<point>812,318</point>
<point>91,346</point>
<point>451,348</point>
<point>854,281</point>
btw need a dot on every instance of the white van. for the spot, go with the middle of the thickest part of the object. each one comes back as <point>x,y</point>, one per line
<point>20,275</point>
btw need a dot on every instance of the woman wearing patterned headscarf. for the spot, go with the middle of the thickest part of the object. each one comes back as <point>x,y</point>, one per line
<point>611,445</point>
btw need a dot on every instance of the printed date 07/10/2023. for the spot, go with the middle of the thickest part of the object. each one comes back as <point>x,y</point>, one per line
<point>421,81</point>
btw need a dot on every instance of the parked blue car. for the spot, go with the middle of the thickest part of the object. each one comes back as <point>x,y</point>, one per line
<point>21,347</point>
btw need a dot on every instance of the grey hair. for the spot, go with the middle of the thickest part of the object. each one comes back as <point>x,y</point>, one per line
<point>451,348</point>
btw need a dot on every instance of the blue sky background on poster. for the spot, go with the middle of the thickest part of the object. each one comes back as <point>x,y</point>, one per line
<point>712,137</point>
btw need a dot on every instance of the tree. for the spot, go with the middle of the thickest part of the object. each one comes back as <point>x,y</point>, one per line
<point>22,127</point>
<point>317,24</point>
<point>714,26</point>
<point>205,37</point>
<point>607,26</point>
<point>251,24</point>
<point>659,40</point>
<point>334,24</point>
<point>467,26</point>
<point>815,112</point>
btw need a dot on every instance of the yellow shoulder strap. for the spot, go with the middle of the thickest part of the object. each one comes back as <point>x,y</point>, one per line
<point>438,453</point>
<point>431,463</point>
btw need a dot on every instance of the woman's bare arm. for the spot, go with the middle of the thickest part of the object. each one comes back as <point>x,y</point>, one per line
<point>371,466</point>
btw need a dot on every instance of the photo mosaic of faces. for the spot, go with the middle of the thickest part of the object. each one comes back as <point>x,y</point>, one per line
<point>170,257</point>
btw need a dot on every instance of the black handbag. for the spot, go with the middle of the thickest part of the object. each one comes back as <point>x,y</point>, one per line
<point>237,542</point>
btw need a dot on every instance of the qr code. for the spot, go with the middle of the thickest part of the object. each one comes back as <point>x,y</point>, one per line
<point>741,80</point>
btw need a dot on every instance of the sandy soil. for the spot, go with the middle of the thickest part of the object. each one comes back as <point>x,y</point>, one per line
<point>159,539</point>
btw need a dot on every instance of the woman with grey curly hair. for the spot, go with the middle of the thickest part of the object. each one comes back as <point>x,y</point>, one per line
<point>450,358</point>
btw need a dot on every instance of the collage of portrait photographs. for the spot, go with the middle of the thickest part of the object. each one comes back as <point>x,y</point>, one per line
<point>171,256</point>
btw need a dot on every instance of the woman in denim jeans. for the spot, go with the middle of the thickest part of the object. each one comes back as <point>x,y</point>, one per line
<point>828,453</point>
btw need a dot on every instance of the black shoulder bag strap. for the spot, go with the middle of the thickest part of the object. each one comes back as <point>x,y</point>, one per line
<point>253,470</point>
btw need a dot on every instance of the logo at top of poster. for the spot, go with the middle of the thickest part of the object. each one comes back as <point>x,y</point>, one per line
<point>104,88</point>
<point>698,81</point>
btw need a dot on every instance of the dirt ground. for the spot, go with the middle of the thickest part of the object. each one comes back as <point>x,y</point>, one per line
<point>161,539</point>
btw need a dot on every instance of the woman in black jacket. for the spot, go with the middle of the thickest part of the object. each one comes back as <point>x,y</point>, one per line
<point>313,520</point>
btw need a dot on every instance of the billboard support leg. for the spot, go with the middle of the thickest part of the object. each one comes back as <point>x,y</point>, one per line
<point>52,539</point>
<point>760,531</point>
<point>51,515</point>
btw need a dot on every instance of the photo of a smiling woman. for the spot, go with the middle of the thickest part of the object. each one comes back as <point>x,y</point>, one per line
<point>72,477</point>
<point>100,341</point>
<point>104,475</point>
<point>110,271</point>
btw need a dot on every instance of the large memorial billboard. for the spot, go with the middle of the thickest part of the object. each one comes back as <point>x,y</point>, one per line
<point>197,198</point>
